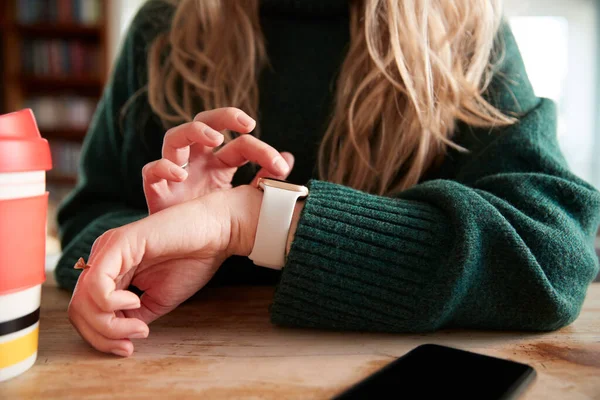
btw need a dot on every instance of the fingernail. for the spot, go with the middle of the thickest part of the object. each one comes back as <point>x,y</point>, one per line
<point>179,172</point>
<point>139,335</point>
<point>131,306</point>
<point>245,120</point>
<point>120,352</point>
<point>282,166</point>
<point>212,134</point>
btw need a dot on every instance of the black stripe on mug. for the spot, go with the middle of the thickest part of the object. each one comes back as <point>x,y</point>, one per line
<point>15,325</point>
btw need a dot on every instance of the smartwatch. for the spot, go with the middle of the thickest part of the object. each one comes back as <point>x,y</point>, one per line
<point>274,221</point>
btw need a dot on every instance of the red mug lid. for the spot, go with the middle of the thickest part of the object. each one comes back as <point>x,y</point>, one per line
<point>21,146</point>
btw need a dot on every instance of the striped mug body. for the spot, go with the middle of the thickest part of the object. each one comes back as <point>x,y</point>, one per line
<point>19,331</point>
<point>24,160</point>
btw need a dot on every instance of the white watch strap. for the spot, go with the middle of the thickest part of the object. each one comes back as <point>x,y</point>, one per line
<point>273,227</point>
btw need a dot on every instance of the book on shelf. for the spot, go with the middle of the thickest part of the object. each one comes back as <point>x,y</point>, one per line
<point>64,112</point>
<point>60,58</point>
<point>85,12</point>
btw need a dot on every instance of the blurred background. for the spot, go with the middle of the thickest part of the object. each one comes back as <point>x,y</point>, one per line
<point>56,56</point>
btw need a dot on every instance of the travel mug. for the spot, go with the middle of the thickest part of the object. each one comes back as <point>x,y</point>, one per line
<point>24,160</point>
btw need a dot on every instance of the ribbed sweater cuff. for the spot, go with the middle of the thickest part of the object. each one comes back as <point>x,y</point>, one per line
<point>361,262</point>
<point>81,245</point>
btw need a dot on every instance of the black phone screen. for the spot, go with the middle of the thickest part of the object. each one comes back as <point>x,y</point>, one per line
<point>432,371</point>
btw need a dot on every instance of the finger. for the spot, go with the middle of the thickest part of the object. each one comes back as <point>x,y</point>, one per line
<point>120,347</point>
<point>116,258</point>
<point>230,118</point>
<point>177,141</point>
<point>163,169</point>
<point>248,148</point>
<point>264,173</point>
<point>97,246</point>
<point>149,311</point>
<point>113,327</point>
<point>102,291</point>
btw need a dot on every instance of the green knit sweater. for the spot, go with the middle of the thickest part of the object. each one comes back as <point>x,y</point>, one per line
<point>499,237</point>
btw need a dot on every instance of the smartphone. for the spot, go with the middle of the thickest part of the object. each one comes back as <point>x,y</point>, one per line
<point>438,372</point>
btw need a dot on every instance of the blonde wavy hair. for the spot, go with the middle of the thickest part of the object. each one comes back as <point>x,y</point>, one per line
<point>413,69</point>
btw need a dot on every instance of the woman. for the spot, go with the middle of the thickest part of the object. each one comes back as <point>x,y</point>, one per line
<point>438,194</point>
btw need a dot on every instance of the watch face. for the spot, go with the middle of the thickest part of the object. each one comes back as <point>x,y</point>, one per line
<point>279,184</point>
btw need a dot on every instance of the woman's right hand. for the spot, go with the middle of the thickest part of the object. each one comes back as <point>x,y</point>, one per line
<point>169,256</point>
<point>166,183</point>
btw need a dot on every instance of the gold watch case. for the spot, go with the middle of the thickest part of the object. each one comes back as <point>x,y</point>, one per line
<point>279,184</point>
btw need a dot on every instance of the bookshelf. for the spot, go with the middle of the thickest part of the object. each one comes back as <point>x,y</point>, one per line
<point>59,29</point>
<point>55,60</point>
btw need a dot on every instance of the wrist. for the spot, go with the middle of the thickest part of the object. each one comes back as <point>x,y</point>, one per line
<point>244,209</point>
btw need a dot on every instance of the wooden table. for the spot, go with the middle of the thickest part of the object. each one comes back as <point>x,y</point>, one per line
<point>222,345</point>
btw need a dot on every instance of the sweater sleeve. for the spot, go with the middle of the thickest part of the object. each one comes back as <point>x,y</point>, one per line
<point>100,201</point>
<point>506,242</point>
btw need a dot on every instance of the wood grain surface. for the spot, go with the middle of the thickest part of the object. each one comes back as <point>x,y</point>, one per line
<point>221,345</point>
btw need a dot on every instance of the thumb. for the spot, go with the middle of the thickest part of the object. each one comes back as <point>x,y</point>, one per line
<point>166,285</point>
<point>150,309</point>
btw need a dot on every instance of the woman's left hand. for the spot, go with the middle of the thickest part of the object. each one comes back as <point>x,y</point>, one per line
<point>169,255</point>
<point>193,144</point>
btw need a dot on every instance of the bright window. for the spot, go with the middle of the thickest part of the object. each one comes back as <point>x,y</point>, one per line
<point>558,42</point>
